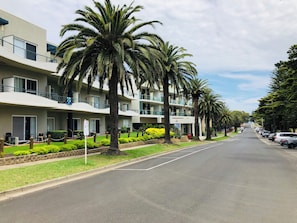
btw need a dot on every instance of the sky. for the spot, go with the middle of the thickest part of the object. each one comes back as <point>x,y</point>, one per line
<point>235,44</point>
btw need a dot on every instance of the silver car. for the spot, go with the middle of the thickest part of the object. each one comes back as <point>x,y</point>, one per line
<point>279,136</point>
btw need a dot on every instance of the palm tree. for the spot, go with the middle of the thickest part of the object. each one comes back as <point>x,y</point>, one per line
<point>196,89</point>
<point>106,45</point>
<point>209,106</point>
<point>171,71</point>
<point>225,117</point>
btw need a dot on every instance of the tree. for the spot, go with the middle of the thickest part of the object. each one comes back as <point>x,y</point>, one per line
<point>225,118</point>
<point>108,44</point>
<point>209,106</point>
<point>277,109</point>
<point>196,89</point>
<point>171,70</point>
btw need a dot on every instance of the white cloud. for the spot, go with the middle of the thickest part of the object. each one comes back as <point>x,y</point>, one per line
<point>224,36</point>
<point>251,82</point>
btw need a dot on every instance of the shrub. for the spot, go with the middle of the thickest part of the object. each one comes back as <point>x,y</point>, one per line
<point>123,140</point>
<point>68,147</point>
<point>92,145</point>
<point>79,144</point>
<point>105,142</point>
<point>40,150</point>
<point>57,134</point>
<point>53,148</point>
<point>156,132</point>
<point>22,152</point>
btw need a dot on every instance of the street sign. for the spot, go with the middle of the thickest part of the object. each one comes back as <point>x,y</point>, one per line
<point>86,133</point>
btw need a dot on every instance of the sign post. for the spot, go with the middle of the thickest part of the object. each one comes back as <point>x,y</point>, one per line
<point>86,133</point>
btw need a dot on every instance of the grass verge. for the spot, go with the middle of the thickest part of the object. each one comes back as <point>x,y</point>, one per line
<point>19,177</point>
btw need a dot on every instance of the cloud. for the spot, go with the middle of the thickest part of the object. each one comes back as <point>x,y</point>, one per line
<point>251,82</point>
<point>241,40</point>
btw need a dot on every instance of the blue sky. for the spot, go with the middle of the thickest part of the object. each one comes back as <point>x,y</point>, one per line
<point>234,44</point>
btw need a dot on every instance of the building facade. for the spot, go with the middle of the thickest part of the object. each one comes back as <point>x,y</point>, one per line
<point>33,103</point>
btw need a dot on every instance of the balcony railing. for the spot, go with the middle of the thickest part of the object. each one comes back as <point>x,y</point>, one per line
<point>61,99</point>
<point>181,102</point>
<point>25,53</point>
<point>148,112</point>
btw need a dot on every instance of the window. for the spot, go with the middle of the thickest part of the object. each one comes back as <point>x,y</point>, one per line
<point>95,125</point>
<point>76,124</point>
<point>50,123</point>
<point>24,127</point>
<point>25,85</point>
<point>96,101</point>
<point>24,49</point>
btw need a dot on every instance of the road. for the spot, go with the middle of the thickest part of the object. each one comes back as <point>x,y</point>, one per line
<point>240,180</point>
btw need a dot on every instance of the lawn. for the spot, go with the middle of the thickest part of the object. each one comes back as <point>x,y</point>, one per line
<point>19,177</point>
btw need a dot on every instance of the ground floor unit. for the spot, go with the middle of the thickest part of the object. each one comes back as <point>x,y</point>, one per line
<point>23,116</point>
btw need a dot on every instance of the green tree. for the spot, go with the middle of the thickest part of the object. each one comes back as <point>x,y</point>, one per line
<point>107,44</point>
<point>209,107</point>
<point>171,71</point>
<point>225,118</point>
<point>238,118</point>
<point>196,89</point>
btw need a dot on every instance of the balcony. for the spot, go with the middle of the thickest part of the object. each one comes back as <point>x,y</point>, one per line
<point>152,113</point>
<point>26,53</point>
<point>25,57</point>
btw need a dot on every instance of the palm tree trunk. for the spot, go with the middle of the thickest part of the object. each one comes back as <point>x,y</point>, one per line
<point>166,110</point>
<point>114,113</point>
<point>196,133</point>
<point>208,132</point>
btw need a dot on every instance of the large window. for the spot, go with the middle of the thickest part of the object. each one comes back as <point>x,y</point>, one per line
<point>95,125</point>
<point>24,49</point>
<point>24,127</point>
<point>50,123</point>
<point>25,85</point>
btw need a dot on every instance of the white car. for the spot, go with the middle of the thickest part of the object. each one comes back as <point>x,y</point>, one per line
<point>283,135</point>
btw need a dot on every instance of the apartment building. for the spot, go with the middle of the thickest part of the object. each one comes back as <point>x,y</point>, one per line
<point>32,102</point>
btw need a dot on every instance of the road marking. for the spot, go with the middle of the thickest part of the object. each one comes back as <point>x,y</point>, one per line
<point>175,159</point>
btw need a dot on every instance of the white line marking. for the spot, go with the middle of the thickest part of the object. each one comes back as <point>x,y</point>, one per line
<point>170,161</point>
<point>178,158</point>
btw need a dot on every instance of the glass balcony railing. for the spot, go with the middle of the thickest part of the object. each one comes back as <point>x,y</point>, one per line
<point>25,53</point>
<point>148,112</point>
<point>180,102</point>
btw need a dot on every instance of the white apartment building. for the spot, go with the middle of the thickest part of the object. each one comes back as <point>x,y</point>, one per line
<point>32,102</point>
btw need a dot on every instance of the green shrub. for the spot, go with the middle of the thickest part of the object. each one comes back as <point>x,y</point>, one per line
<point>92,145</point>
<point>105,142</point>
<point>57,134</point>
<point>53,148</point>
<point>40,150</point>
<point>22,153</point>
<point>68,147</point>
<point>123,140</point>
<point>79,144</point>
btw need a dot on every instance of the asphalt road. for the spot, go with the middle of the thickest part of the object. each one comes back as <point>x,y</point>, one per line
<point>239,180</point>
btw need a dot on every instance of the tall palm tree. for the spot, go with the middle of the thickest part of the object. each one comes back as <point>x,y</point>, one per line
<point>108,42</point>
<point>196,89</point>
<point>225,117</point>
<point>171,71</point>
<point>209,106</point>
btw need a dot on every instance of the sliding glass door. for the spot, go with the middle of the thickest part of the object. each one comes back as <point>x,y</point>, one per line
<point>24,127</point>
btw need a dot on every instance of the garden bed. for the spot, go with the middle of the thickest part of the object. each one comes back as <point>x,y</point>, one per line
<point>11,160</point>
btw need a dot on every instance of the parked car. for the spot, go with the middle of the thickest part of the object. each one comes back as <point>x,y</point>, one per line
<point>265,133</point>
<point>271,136</point>
<point>290,142</point>
<point>283,135</point>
